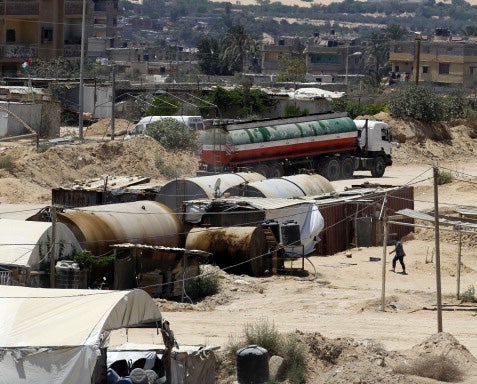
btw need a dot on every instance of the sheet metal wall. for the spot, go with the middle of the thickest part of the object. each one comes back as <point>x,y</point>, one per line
<point>339,231</point>
<point>77,198</point>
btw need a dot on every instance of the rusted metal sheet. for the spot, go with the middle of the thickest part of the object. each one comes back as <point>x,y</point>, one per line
<point>144,222</point>
<point>236,249</point>
<point>335,236</point>
<point>113,189</point>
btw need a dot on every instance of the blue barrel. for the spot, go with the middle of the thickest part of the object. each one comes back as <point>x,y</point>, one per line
<point>252,365</point>
<point>290,233</point>
<point>274,227</point>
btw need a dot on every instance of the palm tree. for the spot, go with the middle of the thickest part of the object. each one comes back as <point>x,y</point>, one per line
<point>235,46</point>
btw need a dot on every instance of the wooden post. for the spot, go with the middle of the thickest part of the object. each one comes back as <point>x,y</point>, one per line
<point>385,241</point>
<point>438,254</point>
<point>459,256</point>
<point>53,247</point>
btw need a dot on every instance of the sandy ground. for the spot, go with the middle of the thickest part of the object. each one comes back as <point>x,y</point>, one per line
<point>345,297</point>
<point>341,296</point>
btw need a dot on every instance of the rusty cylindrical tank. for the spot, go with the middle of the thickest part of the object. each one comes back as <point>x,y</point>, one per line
<point>140,222</point>
<point>236,249</point>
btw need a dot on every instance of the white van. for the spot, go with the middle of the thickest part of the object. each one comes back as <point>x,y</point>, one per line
<point>196,123</point>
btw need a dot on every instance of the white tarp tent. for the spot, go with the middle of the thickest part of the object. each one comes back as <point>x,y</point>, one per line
<point>24,243</point>
<point>55,335</point>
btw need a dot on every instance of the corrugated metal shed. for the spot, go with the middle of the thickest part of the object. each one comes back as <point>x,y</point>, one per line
<point>106,190</point>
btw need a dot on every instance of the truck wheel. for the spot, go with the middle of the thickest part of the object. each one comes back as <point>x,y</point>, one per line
<point>379,166</point>
<point>333,169</point>
<point>262,169</point>
<point>276,170</point>
<point>347,168</point>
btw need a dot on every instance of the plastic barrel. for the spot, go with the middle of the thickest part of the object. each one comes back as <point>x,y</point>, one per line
<point>290,233</point>
<point>252,365</point>
<point>274,227</point>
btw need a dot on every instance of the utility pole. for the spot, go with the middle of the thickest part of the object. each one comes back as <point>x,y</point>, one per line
<point>113,102</point>
<point>81,87</point>
<point>438,254</point>
<point>418,37</point>
<point>53,247</point>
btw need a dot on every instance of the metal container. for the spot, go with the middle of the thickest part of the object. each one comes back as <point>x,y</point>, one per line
<point>236,249</point>
<point>311,185</point>
<point>174,193</point>
<point>290,233</point>
<point>284,187</point>
<point>139,222</point>
<point>252,365</point>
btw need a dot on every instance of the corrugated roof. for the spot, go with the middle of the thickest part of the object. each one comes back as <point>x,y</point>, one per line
<point>110,182</point>
<point>442,221</point>
<point>264,203</point>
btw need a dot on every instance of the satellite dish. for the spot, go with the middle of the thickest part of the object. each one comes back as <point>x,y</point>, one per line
<point>217,188</point>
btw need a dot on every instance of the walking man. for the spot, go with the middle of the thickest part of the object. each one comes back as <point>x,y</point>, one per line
<point>399,250</point>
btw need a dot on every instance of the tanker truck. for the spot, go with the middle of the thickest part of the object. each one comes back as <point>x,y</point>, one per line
<point>331,144</point>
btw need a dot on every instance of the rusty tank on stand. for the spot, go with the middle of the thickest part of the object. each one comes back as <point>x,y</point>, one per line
<point>238,250</point>
<point>139,222</point>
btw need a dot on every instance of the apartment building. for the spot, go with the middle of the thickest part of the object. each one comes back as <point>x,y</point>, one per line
<point>48,29</point>
<point>331,54</point>
<point>441,59</point>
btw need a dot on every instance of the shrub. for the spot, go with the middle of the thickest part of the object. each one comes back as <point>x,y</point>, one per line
<point>264,334</point>
<point>469,295</point>
<point>289,346</point>
<point>173,134</point>
<point>205,285</point>
<point>295,354</point>
<point>355,109</point>
<point>416,102</point>
<point>293,110</point>
<point>444,177</point>
<point>6,162</point>
<point>439,368</point>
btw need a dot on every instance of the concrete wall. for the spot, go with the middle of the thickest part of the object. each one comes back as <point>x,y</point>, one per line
<point>11,126</point>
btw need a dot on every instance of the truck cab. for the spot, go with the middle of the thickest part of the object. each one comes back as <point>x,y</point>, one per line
<point>375,145</point>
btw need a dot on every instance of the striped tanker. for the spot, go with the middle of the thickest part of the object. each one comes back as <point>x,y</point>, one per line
<point>333,145</point>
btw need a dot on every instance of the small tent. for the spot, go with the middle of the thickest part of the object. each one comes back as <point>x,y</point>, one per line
<point>58,335</point>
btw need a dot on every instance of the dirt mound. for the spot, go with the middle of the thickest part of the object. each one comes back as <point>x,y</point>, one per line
<point>417,142</point>
<point>33,174</point>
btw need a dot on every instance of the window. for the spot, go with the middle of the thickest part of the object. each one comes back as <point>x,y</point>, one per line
<point>444,68</point>
<point>425,69</point>
<point>10,37</point>
<point>46,35</point>
<point>473,70</point>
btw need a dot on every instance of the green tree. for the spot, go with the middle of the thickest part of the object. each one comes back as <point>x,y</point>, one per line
<point>163,106</point>
<point>172,134</point>
<point>239,102</point>
<point>293,68</point>
<point>235,47</point>
<point>208,51</point>
<point>396,32</point>
<point>417,102</point>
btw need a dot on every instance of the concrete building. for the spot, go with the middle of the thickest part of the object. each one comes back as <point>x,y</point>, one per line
<point>441,59</point>
<point>332,55</point>
<point>47,29</point>
<point>273,54</point>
